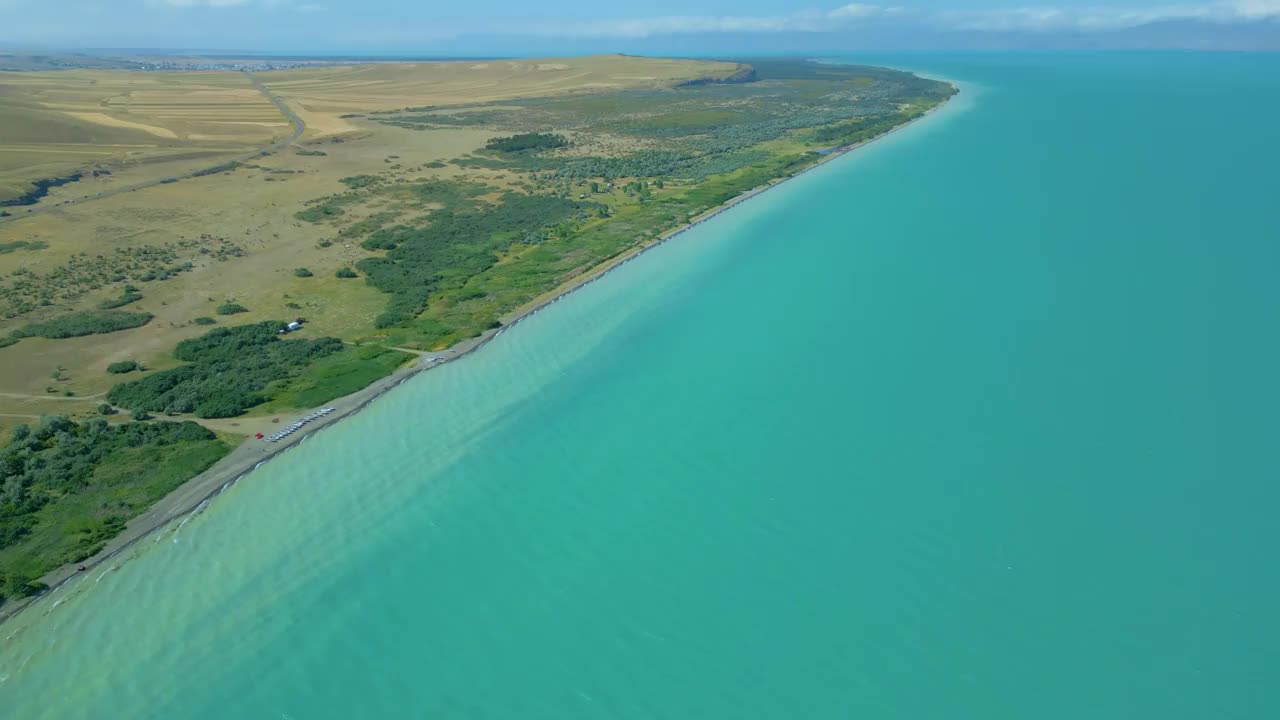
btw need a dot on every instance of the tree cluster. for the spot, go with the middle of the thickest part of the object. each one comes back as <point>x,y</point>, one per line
<point>527,142</point>
<point>226,372</point>
<point>56,459</point>
<point>454,246</point>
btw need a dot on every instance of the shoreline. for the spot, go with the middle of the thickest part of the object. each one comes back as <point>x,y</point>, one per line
<point>196,493</point>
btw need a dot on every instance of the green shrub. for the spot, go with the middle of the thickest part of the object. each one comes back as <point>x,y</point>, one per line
<point>231,309</point>
<point>226,371</point>
<point>302,272</point>
<point>106,409</point>
<point>359,181</point>
<point>125,298</point>
<point>86,322</point>
<point>346,272</point>
<point>8,247</point>
<point>78,483</point>
<point>205,321</point>
<point>319,213</point>
<point>22,587</point>
<point>527,142</point>
<point>122,367</point>
<point>456,244</point>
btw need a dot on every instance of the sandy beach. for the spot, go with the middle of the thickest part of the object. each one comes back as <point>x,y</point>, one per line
<point>198,491</point>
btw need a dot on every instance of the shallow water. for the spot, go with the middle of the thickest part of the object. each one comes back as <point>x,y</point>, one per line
<point>978,421</point>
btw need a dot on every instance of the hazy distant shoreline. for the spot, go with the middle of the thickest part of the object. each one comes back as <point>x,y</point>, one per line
<point>195,494</point>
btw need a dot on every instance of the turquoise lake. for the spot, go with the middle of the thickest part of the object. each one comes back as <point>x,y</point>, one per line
<point>979,421</point>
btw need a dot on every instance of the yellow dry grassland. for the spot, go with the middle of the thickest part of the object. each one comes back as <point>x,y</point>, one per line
<point>236,228</point>
<point>321,96</point>
<point>134,125</point>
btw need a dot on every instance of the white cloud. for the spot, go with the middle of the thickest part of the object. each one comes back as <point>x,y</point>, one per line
<point>270,4</point>
<point>683,24</point>
<point>857,10</point>
<point>1104,18</point>
<point>200,3</point>
<point>1249,10</point>
<point>802,21</point>
<point>1051,18</point>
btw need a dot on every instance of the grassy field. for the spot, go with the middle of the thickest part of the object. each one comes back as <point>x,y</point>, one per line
<point>322,96</point>
<point>334,377</point>
<point>133,125</point>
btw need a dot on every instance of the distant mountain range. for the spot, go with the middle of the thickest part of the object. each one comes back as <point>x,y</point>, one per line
<point>1258,36</point>
<point>1243,36</point>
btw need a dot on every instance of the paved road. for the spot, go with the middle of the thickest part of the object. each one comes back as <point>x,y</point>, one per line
<point>298,128</point>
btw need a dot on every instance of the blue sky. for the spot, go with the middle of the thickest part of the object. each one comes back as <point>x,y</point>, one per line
<point>573,26</point>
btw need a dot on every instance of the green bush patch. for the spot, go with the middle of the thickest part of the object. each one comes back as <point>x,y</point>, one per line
<point>359,181</point>
<point>527,142</point>
<point>226,372</point>
<point>86,322</point>
<point>126,297</point>
<point>319,213</point>
<point>336,375</point>
<point>6,248</point>
<point>70,487</point>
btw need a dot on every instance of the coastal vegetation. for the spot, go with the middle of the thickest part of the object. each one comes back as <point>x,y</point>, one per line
<point>333,376</point>
<point>457,245</point>
<point>67,487</point>
<point>226,372</point>
<point>454,272</point>
<point>428,205</point>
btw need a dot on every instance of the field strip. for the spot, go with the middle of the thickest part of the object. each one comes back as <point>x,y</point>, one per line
<point>56,151</point>
<point>104,119</point>
<point>36,146</point>
<point>298,128</point>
